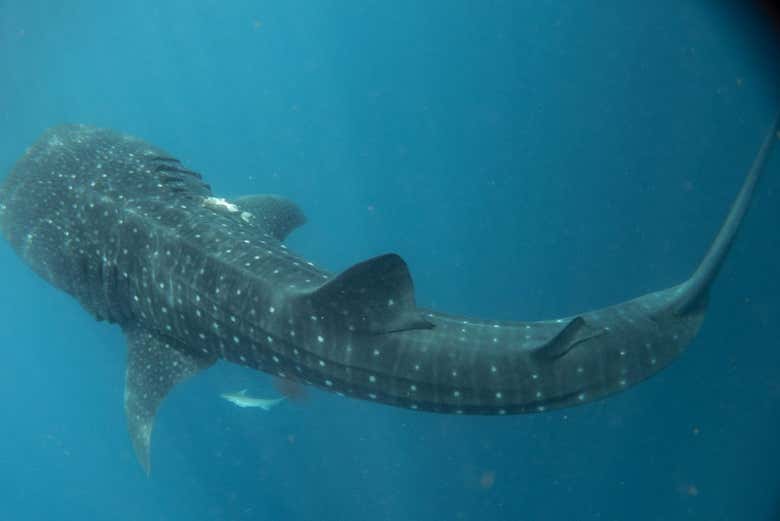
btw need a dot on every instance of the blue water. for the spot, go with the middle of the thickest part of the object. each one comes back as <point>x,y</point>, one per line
<point>527,159</point>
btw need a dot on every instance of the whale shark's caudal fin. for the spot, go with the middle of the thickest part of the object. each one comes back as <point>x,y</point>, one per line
<point>693,292</point>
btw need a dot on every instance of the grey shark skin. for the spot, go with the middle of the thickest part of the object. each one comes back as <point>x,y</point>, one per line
<point>141,241</point>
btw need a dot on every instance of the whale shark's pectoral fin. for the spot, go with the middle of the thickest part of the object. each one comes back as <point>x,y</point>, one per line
<point>375,296</point>
<point>274,214</point>
<point>154,366</point>
<point>573,333</point>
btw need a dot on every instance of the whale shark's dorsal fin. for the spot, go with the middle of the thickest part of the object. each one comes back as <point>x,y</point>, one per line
<point>374,296</point>
<point>274,214</point>
<point>154,367</point>
<point>573,333</point>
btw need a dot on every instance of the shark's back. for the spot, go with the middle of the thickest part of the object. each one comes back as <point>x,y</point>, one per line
<point>113,220</point>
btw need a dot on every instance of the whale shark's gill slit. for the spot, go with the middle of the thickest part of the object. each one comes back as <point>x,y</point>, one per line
<point>163,158</point>
<point>167,179</point>
<point>177,170</point>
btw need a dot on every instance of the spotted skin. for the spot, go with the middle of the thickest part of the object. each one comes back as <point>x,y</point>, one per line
<point>142,242</point>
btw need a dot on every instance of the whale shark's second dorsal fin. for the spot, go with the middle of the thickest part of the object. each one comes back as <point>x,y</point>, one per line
<point>274,214</point>
<point>374,296</point>
<point>154,367</point>
<point>574,332</point>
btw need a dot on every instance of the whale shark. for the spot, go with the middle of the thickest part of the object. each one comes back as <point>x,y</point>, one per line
<point>141,241</point>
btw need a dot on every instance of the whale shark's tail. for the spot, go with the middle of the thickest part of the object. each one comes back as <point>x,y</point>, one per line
<point>694,291</point>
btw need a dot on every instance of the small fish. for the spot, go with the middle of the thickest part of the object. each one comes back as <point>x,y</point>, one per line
<point>240,399</point>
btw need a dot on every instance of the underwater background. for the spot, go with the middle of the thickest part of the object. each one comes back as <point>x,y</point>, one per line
<point>528,160</point>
